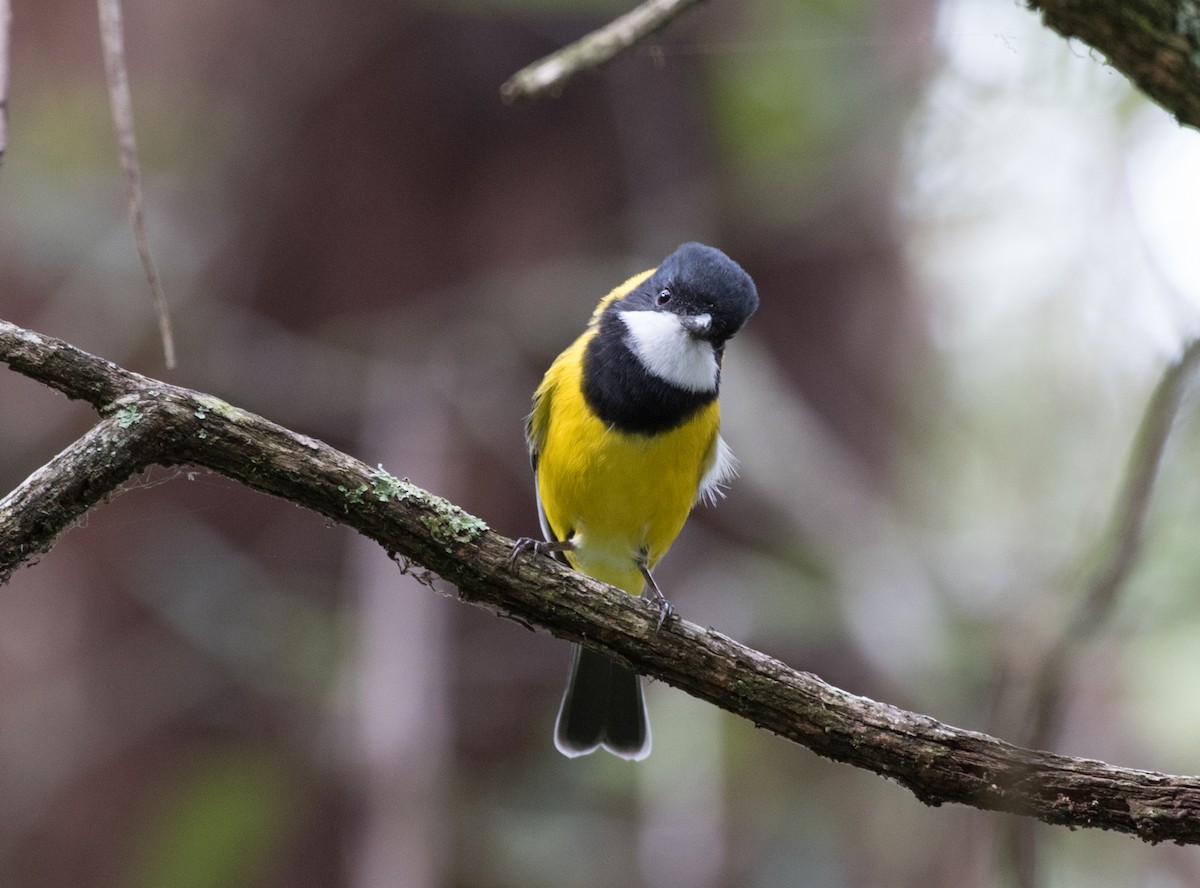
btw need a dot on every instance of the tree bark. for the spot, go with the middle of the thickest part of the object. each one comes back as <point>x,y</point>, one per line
<point>1155,43</point>
<point>145,421</point>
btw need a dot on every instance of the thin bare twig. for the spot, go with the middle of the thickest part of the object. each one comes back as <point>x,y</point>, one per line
<point>112,40</point>
<point>5,45</point>
<point>549,75</point>
<point>1125,537</point>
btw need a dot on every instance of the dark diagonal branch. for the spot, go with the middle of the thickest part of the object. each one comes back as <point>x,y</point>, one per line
<point>146,422</point>
<point>549,75</point>
<point>1155,43</point>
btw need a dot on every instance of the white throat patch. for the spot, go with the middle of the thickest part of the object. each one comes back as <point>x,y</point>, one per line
<point>669,352</point>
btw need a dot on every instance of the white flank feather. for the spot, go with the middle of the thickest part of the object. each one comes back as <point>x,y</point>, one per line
<point>721,472</point>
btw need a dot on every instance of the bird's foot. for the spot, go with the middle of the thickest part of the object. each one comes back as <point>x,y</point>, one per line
<point>541,547</point>
<point>665,610</point>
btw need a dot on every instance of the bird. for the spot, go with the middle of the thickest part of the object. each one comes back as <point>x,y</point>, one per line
<point>624,439</point>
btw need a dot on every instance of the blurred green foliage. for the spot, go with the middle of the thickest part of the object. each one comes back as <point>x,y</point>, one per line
<point>224,818</point>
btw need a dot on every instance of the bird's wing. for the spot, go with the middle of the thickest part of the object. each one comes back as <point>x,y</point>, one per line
<point>536,428</point>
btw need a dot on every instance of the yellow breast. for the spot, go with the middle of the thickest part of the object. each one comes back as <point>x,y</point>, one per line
<point>615,495</point>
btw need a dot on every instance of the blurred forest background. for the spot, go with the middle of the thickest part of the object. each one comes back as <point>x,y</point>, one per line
<point>975,246</point>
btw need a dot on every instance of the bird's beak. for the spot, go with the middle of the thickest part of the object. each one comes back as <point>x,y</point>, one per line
<point>698,326</point>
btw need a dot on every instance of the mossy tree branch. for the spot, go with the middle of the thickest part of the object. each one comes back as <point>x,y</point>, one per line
<point>145,421</point>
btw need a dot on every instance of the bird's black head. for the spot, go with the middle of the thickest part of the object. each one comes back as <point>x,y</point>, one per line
<point>707,289</point>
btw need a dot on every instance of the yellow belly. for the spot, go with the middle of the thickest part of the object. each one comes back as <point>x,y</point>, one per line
<point>618,497</point>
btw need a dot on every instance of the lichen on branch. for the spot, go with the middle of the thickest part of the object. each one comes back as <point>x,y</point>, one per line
<point>146,422</point>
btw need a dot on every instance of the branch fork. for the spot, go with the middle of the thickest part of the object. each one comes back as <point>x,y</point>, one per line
<point>148,422</point>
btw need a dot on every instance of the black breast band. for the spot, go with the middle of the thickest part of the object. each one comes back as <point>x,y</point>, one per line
<point>624,394</point>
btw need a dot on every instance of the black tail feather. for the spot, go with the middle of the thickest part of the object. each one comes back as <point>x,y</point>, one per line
<point>603,707</point>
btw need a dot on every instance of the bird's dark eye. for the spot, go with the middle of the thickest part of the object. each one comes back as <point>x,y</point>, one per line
<point>664,296</point>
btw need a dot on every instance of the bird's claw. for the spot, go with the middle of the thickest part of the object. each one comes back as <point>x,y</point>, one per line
<point>520,547</point>
<point>541,547</point>
<point>665,610</point>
